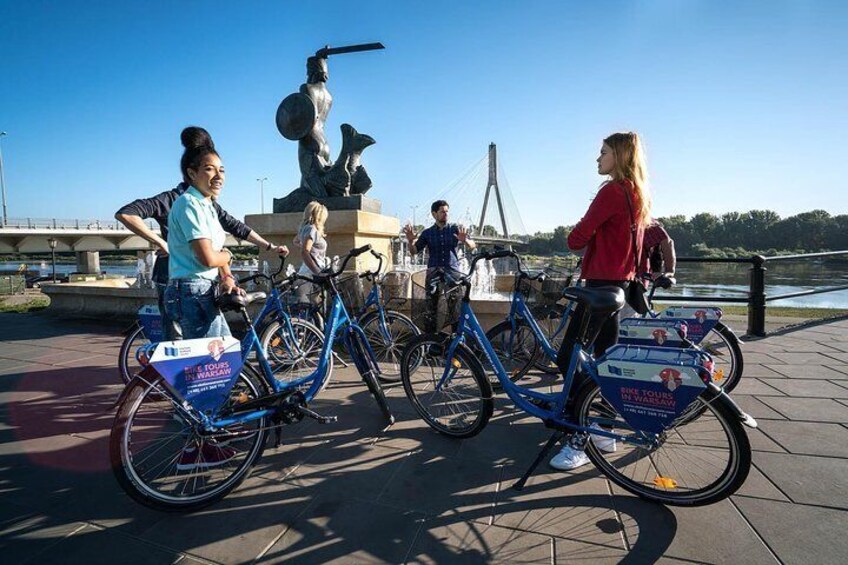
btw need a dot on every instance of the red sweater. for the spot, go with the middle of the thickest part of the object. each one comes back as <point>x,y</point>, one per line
<point>605,234</point>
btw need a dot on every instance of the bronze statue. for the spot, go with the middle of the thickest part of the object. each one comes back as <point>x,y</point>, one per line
<point>301,117</point>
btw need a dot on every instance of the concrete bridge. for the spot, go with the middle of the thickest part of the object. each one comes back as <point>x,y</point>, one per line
<point>86,238</point>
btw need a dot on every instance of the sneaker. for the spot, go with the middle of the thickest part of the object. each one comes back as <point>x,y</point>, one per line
<point>568,458</point>
<point>209,455</point>
<point>606,444</point>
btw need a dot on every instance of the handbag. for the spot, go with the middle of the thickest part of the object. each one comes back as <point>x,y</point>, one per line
<point>635,294</point>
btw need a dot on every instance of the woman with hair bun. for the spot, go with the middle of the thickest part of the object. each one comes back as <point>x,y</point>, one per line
<point>159,207</point>
<point>610,236</point>
<point>199,261</point>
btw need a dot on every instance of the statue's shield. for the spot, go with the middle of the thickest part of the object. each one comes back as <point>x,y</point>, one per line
<point>295,116</point>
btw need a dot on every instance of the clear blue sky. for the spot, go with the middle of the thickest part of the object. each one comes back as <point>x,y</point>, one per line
<point>741,104</point>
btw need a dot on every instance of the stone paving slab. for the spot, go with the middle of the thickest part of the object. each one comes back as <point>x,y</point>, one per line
<point>355,492</point>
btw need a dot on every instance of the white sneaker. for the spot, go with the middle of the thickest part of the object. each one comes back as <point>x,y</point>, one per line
<point>568,458</point>
<point>606,444</point>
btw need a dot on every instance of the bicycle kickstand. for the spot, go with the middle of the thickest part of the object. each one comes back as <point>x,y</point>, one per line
<point>555,437</point>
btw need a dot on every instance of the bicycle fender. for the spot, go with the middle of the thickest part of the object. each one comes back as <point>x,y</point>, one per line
<point>715,393</point>
<point>147,376</point>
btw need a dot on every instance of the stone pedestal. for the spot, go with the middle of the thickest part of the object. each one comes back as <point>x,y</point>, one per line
<point>345,229</point>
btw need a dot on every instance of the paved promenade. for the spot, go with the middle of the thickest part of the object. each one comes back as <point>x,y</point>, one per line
<point>353,493</point>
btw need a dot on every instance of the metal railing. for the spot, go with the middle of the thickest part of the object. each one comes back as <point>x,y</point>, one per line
<point>757,298</point>
<point>64,224</point>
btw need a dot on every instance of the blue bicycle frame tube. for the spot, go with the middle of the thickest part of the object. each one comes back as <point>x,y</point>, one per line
<point>470,326</point>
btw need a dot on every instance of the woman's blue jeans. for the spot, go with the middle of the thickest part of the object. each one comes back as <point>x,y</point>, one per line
<point>191,303</point>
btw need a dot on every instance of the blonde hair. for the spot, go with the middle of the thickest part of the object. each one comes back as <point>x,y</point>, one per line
<point>630,165</point>
<point>315,214</point>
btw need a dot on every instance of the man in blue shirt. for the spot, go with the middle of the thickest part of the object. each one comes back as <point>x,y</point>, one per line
<point>441,241</point>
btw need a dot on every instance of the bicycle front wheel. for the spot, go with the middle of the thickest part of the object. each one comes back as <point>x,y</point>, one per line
<point>294,354</point>
<point>388,343</point>
<point>723,345</point>
<point>462,405</point>
<point>163,461</point>
<point>699,463</point>
<point>128,364</point>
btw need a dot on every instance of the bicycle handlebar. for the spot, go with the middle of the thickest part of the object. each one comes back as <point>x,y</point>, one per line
<point>329,273</point>
<point>271,277</point>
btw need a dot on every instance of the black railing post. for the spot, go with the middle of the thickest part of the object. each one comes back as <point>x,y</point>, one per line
<point>757,297</point>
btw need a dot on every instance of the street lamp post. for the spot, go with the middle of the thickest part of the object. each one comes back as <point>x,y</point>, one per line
<point>413,215</point>
<point>52,243</point>
<point>2,179</point>
<point>262,193</point>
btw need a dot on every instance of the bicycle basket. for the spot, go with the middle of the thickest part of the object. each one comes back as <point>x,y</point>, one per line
<point>352,292</point>
<point>546,292</point>
<point>651,386</point>
<point>395,287</point>
<point>300,292</point>
<point>436,312</point>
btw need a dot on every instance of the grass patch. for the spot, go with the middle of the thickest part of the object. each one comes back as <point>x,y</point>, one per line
<point>22,304</point>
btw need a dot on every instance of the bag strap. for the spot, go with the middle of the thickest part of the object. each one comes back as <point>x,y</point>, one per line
<point>633,231</point>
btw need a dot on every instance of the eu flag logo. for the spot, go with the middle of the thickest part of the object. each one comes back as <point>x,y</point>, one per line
<point>615,370</point>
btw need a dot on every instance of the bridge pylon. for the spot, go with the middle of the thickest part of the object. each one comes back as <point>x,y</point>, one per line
<point>492,185</point>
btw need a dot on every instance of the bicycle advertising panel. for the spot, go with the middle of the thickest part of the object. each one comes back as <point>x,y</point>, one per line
<point>651,387</point>
<point>652,333</point>
<point>699,319</point>
<point>201,370</point>
<point>151,320</point>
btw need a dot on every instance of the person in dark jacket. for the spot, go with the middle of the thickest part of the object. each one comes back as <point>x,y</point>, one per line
<point>158,207</point>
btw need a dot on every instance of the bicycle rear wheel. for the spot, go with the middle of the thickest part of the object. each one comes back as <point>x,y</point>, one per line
<point>128,365</point>
<point>463,404</point>
<point>162,461</point>
<point>723,345</point>
<point>516,350</point>
<point>365,365</point>
<point>699,462</point>
<point>400,330</point>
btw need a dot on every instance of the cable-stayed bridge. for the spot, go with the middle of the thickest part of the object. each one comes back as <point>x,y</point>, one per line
<point>481,199</point>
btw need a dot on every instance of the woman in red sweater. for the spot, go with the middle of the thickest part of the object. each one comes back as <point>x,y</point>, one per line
<point>605,235</point>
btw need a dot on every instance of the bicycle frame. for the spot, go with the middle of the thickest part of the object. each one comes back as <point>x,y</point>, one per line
<point>469,328</point>
<point>374,299</point>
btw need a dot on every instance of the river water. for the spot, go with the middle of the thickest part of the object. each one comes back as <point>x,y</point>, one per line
<point>694,279</point>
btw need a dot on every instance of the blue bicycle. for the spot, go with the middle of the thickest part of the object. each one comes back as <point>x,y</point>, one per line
<point>192,424</point>
<point>291,343</point>
<point>387,330</point>
<point>650,419</point>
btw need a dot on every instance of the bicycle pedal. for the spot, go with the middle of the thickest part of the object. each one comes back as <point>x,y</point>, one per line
<point>316,416</point>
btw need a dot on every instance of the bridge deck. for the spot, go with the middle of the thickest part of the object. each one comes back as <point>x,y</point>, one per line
<point>353,492</point>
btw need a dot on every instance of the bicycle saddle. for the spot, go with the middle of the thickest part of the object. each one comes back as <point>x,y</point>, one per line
<point>602,300</point>
<point>235,302</point>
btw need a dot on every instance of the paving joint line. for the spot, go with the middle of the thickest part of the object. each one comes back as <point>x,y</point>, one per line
<point>754,530</point>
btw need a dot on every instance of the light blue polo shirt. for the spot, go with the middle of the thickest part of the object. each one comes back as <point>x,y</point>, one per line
<point>192,217</point>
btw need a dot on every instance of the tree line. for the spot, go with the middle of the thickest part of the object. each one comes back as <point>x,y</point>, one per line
<point>734,234</point>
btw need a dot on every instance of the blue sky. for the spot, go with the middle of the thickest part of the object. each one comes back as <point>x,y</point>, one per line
<point>741,104</point>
